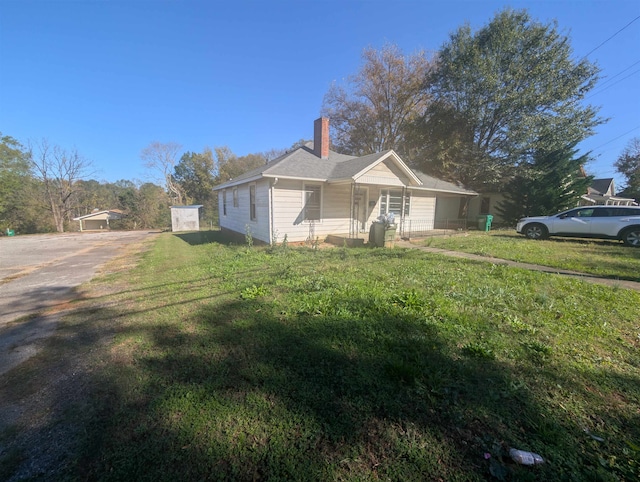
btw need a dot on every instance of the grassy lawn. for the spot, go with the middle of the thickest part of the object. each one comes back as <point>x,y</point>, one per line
<point>609,259</point>
<point>237,363</point>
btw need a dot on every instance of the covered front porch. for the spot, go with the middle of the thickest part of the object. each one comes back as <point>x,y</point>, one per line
<point>415,229</point>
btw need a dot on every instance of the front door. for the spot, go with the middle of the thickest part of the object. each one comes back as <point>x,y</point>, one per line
<point>360,209</point>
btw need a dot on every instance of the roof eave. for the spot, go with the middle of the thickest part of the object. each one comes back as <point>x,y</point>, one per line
<point>297,178</point>
<point>448,191</point>
<point>233,183</point>
<point>80,218</point>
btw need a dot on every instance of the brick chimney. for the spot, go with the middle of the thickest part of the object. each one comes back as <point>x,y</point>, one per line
<point>321,137</point>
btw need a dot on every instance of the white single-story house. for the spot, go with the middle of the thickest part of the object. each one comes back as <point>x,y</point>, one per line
<point>98,220</point>
<point>185,218</point>
<point>312,192</point>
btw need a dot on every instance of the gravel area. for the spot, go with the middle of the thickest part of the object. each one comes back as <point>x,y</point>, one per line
<point>45,398</point>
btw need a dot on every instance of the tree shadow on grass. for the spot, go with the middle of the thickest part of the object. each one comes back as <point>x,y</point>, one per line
<point>239,390</point>
<point>205,237</point>
<point>255,396</point>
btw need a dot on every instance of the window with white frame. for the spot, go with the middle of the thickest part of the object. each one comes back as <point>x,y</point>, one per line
<point>252,202</point>
<point>235,197</point>
<point>391,201</point>
<point>224,203</point>
<point>312,202</point>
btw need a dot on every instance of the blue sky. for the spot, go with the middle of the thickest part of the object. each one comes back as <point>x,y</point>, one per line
<point>109,77</point>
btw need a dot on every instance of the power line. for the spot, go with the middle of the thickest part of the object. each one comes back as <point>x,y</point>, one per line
<point>623,28</point>
<point>619,73</point>
<point>615,139</point>
<point>612,85</point>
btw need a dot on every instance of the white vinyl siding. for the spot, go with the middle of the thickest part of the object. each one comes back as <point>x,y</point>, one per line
<point>289,212</point>
<point>385,173</point>
<point>238,218</point>
<point>423,210</point>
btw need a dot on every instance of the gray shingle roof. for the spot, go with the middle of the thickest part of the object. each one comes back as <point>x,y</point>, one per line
<point>433,183</point>
<point>601,186</point>
<point>303,163</point>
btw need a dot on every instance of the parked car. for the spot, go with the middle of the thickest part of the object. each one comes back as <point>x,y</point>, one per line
<point>602,222</point>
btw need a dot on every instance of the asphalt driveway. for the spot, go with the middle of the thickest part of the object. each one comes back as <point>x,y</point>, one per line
<point>39,273</point>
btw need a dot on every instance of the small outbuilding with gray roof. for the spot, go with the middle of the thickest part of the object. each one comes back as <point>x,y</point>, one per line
<point>313,192</point>
<point>98,220</point>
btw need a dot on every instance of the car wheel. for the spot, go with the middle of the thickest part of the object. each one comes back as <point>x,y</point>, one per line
<point>631,237</point>
<point>536,231</point>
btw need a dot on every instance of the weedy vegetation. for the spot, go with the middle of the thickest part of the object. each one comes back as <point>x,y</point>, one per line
<point>289,363</point>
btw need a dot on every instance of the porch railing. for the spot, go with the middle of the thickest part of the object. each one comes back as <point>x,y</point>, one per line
<point>415,228</point>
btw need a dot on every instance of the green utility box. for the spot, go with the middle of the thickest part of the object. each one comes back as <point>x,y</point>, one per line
<point>390,236</point>
<point>10,232</point>
<point>484,222</point>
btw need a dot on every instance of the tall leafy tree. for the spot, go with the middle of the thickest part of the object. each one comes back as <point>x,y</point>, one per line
<point>92,195</point>
<point>229,166</point>
<point>195,173</point>
<point>552,182</point>
<point>14,178</point>
<point>152,207</point>
<point>127,192</point>
<point>501,94</point>
<point>628,164</point>
<point>376,108</point>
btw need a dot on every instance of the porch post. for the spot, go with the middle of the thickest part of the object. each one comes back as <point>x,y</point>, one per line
<point>351,207</point>
<point>402,213</point>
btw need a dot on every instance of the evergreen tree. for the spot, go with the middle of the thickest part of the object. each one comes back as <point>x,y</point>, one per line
<point>552,182</point>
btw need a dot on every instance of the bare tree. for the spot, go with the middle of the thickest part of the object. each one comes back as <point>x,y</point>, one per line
<point>59,171</point>
<point>628,164</point>
<point>162,159</point>
<point>376,109</point>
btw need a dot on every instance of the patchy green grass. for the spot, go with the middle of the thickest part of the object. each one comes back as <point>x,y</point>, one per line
<point>609,259</point>
<point>230,363</point>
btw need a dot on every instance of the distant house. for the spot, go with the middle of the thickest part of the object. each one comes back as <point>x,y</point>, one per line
<point>602,191</point>
<point>312,192</point>
<point>98,220</point>
<point>185,218</point>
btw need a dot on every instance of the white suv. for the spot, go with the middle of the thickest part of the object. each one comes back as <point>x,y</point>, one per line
<point>603,222</point>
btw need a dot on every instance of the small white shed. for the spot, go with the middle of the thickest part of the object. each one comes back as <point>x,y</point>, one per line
<point>185,218</point>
